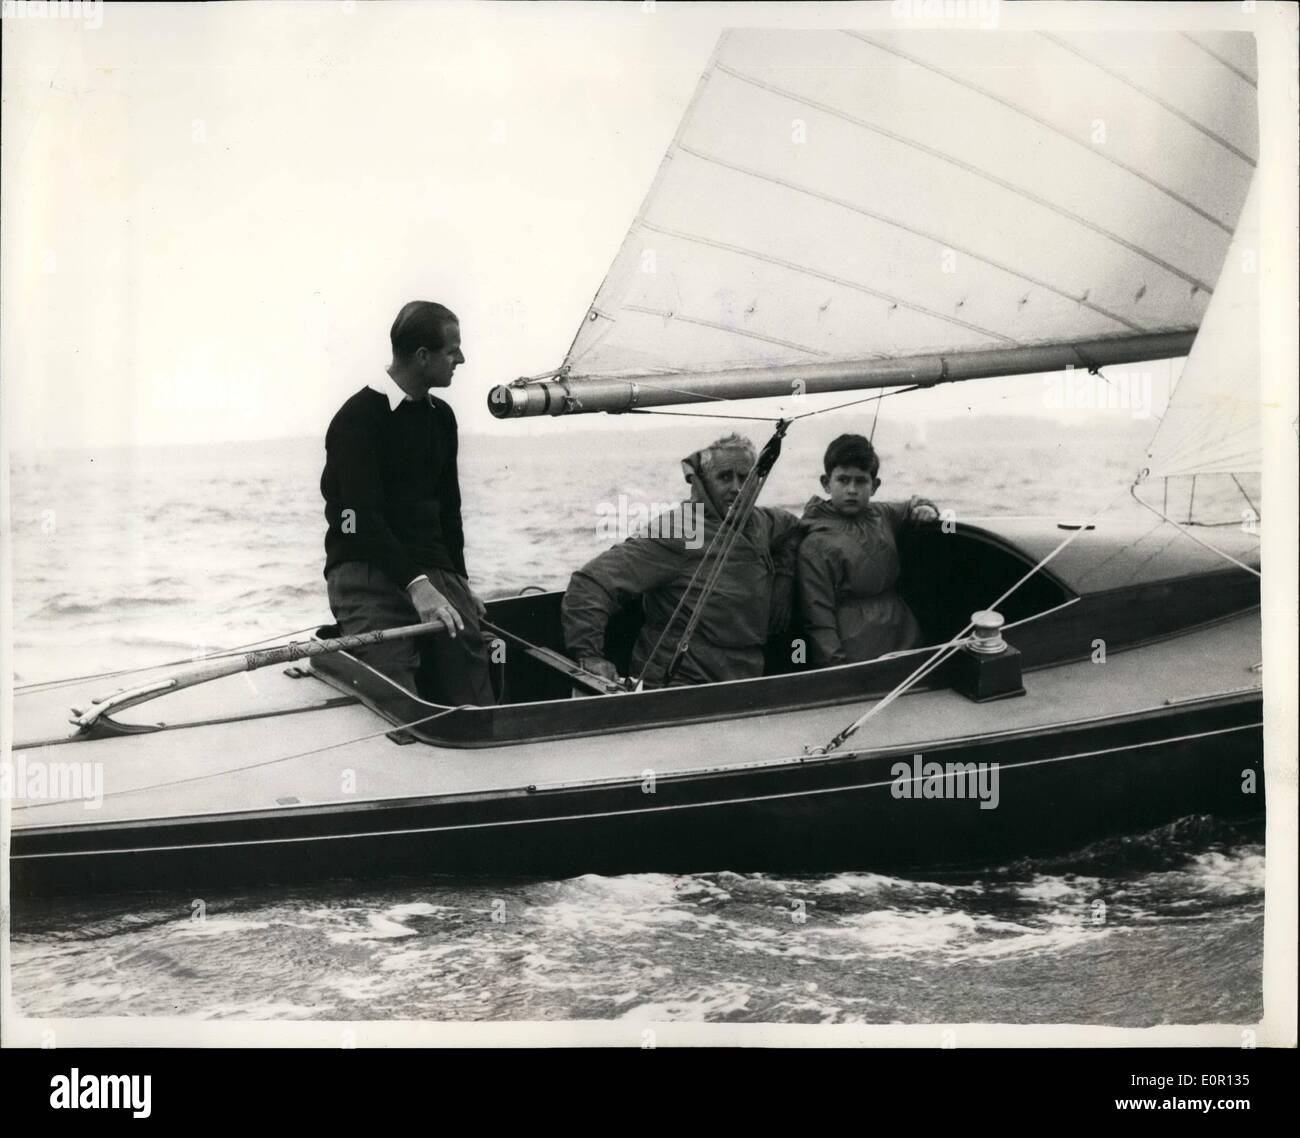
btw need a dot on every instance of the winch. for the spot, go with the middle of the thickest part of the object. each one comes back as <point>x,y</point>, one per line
<point>986,667</point>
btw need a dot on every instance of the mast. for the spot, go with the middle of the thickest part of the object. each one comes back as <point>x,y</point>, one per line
<point>562,396</point>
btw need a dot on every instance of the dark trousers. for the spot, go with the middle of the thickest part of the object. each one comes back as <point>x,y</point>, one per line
<point>438,668</point>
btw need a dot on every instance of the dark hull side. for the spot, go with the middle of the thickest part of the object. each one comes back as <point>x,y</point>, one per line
<point>1057,791</point>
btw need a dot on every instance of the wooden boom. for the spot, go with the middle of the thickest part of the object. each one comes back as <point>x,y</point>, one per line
<point>582,395</point>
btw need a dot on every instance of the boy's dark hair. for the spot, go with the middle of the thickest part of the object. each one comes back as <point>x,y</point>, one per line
<point>419,325</point>
<point>852,450</point>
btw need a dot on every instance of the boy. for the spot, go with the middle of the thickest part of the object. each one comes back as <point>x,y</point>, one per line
<point>848,562</point>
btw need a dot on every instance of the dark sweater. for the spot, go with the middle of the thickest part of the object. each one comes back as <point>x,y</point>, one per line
<point>396,471</point>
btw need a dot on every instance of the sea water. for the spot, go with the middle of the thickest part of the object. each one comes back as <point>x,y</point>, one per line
<point>127,557</point>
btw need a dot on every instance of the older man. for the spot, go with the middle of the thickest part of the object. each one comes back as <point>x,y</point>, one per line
<point>734,625</point>
<point>395,548</point>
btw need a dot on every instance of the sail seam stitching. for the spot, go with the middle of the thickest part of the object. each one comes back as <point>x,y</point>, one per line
<point>757,255</point>
<point>970,86</point>
<point>938,240</point>
<point>1205,130</point>
<point>1219,59</point>
<point>952,160</point>
<point>724,328</point>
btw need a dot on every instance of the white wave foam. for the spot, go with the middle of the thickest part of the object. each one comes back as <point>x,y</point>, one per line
<point>950,933</point>
<point>265,1011</point>
<point>694,1006</point>
<point>216,926</point>
<point>1229,875</point>
<point>1048,890</point>
<point>418,909</point>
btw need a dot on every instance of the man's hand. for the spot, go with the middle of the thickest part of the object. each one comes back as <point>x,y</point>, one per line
<point>599,666</point>
<point>432,605</point>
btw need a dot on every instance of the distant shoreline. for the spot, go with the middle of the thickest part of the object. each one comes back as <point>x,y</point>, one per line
<point>994,425</point>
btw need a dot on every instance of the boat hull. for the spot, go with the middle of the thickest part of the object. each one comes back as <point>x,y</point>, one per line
<point>1055,791</point>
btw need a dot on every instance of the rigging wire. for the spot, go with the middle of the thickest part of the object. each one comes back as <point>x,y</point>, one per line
<point>774,418</point>
<point>764,465</point>
<point>700,415</point>
<point>856,402</point>
<point>38,686</point>
<point>1186,532</point>
<point>1244,494</point>
<point>728,530</point>
<point>686,592</point>
<point>871,438</point>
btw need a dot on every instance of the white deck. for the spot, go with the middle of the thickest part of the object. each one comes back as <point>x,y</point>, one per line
<point>258,764</point>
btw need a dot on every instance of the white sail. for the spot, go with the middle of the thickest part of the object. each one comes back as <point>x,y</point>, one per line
<point>1212,424</point>
<point>866,196</point>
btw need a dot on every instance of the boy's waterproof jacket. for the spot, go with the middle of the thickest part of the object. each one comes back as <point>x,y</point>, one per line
<point>847,578</point>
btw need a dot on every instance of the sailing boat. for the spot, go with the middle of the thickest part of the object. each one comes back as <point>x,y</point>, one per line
<point>838,211</point>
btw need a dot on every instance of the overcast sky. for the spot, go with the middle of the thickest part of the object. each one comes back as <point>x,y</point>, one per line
<point>212,212</point>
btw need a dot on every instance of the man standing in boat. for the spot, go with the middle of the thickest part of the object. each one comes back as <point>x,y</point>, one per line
<point>750,599</point>
<point>395,547</point>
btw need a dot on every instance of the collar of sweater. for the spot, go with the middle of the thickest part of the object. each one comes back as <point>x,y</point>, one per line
<point>396,396</point>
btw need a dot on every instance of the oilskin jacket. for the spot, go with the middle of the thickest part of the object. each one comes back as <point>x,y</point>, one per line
<point>848,572</point>
<point>737,619</point>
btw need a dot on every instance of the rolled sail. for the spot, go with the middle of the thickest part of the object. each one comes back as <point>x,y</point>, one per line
<point>882,207</point>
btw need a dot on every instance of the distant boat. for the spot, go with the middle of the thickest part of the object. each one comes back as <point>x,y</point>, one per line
<point>839,211</point>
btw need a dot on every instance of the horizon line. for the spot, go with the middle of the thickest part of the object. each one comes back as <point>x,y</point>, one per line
<point>14,450</point>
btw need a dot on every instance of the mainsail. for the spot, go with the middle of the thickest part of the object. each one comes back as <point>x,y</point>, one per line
<point>869,208</point>
<point>1212,424</point>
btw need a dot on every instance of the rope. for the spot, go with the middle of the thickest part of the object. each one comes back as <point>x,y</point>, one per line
<point>1188,533</point>
<point>871,438</point>
<point>742,509</point>
<point>1244,494</point>
<point>636,681</point>
<point>902,652</point>
<point>742,517</point>
<point>729,531</point>
<point>941,654</point>
<point>856,402</point>
<point>943,651</point>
